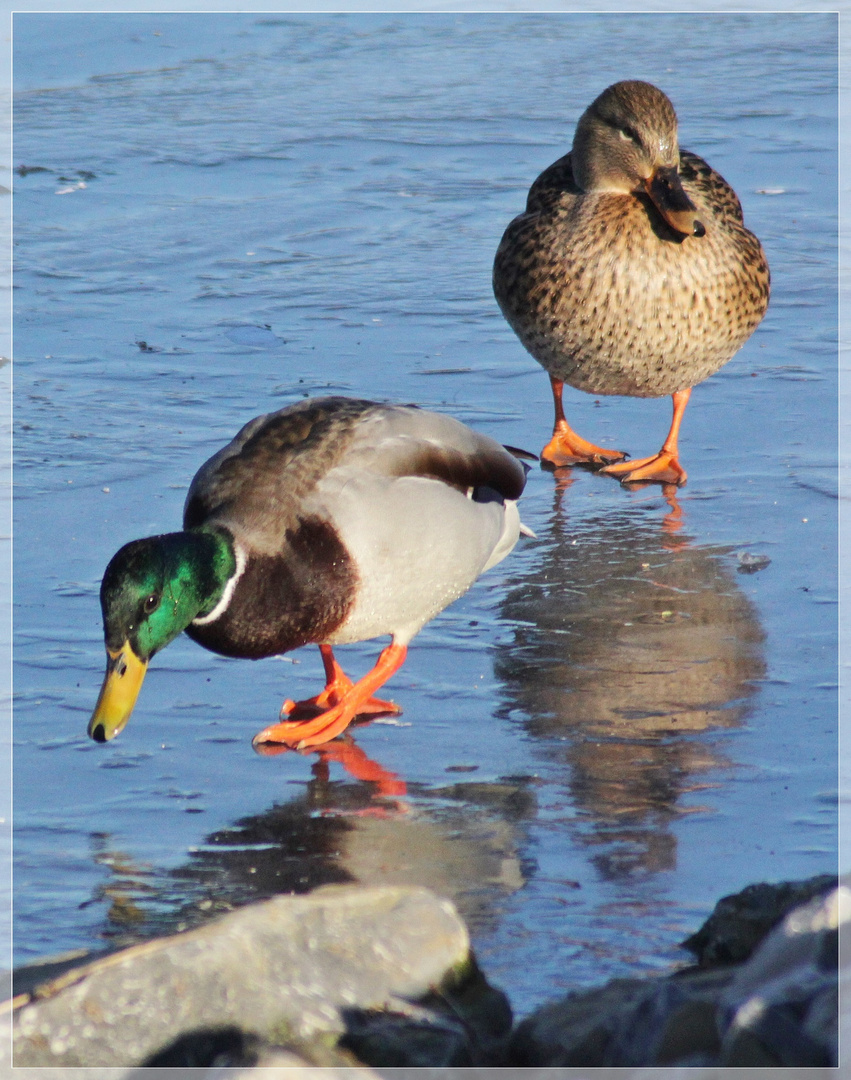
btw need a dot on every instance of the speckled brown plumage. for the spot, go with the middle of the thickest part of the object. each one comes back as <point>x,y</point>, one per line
<point>600,288</point>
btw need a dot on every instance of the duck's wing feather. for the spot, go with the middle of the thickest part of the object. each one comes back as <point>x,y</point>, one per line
<point>263,477</point>
<point>403,440</point>
<point>705,184</point>
<point>274,461</point>
<point>551,186</point>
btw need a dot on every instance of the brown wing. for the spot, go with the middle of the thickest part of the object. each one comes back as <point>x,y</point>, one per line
<point>700,178</point>
<point>551,186</point>
<point>407,441</point>
<point>274,461</point>
<point>264,474</point>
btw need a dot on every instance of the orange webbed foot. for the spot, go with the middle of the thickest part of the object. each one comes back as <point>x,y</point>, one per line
<point>568,448</point>
<point>337,685</point>
<point>345,699</point>
<point>312,707</point>
<point>662,468</point>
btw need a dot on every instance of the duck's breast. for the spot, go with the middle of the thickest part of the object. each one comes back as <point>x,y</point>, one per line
<point>611,300</point>
<point>297,596</point>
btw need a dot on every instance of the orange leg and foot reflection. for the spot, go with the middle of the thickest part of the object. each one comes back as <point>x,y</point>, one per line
<point>673,521</point>
<point>568,448</point>
<point>342,700</point>
<point>663,467</point>
<point>347,753</point>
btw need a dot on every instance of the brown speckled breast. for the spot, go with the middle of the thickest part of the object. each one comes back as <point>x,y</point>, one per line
<point>611,300</point>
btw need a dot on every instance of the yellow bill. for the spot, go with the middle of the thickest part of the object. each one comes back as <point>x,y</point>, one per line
<point>121,686</point>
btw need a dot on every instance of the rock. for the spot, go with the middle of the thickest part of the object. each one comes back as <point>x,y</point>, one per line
<point>286,1065</point>
<point>231,1048</point>
<point>301,1063</point>
<point>467,1023</point>
<point>348,977</point>
<point>740,921</point>
<point>627,1022</point>
<point>285,971</point>
<point>779,1008</point>
<point>782,1006</point>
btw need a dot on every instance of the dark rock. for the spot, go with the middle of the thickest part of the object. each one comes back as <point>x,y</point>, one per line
<point>778,1009</point>
<point>627,1022</point>
<point>395,1040</point>
<point>690,1032</point>
<point>741,921</point>
<point>782,1006</point>
<point>466,1023</point>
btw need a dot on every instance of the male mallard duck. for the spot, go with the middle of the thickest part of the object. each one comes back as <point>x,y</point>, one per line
<point>330,521</point>
<point>631,271</point>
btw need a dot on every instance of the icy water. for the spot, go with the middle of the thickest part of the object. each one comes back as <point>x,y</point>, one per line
<point>634,714</point>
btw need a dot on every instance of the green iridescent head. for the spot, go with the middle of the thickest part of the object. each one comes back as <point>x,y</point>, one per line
<point>151,591</point>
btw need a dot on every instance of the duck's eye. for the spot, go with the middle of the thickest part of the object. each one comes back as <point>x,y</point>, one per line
<point>628,134</point>
<point>151,603</point>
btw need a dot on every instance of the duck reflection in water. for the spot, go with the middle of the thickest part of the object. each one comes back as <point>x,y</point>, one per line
<point>462,840</point>
<point>631,643</point>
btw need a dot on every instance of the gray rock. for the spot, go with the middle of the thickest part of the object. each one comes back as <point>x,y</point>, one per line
<point>283,1065</point>
<point>741,921</point>
<point>277,1063</point>
<point>285,970</point>
<point>232,1048</point>
<point>782,1006</point>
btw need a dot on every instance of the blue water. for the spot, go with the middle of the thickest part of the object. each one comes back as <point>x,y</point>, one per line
<point>216,215</point>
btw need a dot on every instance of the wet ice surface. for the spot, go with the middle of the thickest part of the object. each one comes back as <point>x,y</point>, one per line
<point>630,717</point>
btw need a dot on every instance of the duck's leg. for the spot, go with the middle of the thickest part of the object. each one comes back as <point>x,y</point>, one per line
<point>568,448</point>
<point>337,684</point>
<point>352,702</point>
<point>663,467</point>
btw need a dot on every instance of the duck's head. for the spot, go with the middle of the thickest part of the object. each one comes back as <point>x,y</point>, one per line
<point>626,142</point>
<point>151,591</point>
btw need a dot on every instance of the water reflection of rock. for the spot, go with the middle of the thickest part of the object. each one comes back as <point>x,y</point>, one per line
<point>462,841</point>
<point>629,642</point>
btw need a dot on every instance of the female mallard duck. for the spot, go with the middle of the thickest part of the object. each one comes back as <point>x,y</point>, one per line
<point>630,272</point>
<point>330,521</point>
